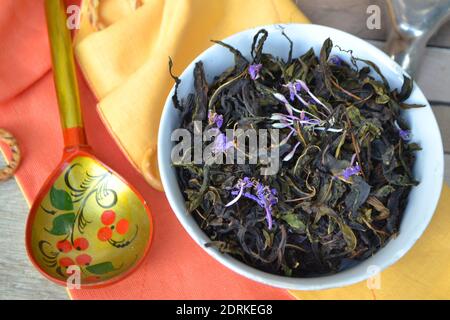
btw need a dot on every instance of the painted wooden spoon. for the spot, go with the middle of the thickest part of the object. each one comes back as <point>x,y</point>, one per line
<point>87,226</point>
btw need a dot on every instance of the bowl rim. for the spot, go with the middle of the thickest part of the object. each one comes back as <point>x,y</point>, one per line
<point>284,282</point>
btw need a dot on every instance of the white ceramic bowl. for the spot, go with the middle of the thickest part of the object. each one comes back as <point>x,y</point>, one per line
<point>428,167</point>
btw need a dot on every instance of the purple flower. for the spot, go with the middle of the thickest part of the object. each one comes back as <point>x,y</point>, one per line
<point>290,109</point>
<point>312,122</point>
<point>253,70</point>
<point>214,118</point>
<point>303,86</point>
<point>240,186</point>
<point>263,196</point>
<point>221,144</point>
<point>311,100</point>
<point>250,196</point>
<point>304,119</point>
<point>286,121</point>
<point>280,98</point>
<point>335,60</point>
<point>266,199</point>
<point>303,116</point>
<point>285,140</point>
<point>292,90</point>
<point>291,154</point>
<point>352,169</point>
<point>405,134</point>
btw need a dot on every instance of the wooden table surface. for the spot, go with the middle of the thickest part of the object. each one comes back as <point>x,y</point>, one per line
<point>19,280</point>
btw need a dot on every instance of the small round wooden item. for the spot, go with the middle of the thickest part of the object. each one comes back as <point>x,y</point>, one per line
<point>10,142</point>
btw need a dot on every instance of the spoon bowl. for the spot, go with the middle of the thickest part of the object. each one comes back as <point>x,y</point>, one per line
<point>87,226</point>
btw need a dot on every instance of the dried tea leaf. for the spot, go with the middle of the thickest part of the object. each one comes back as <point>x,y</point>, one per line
<point>324,55</point>
<point>258,43</point>
<point>379,206</point>
<point>358,195</point>
<point>294,221</point>
<point>201,93</point>
<point>406,89</point>
<point>349,236</point>
<point>340,192</point>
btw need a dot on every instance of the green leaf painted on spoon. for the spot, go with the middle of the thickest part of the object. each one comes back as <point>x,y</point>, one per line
<point>62,224</point>
<point>101,268</point>
<point>61,199</point>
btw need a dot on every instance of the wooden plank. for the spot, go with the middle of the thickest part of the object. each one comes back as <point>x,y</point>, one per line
<point>351,16</point>
<point>447,169</point>
<point>346,15</point>
<point>434,75</point>
<point>18,278</point>
<point>442,114</point>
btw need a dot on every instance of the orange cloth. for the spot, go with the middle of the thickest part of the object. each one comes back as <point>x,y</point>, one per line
<point>176,268</point>
<point>20,28</point>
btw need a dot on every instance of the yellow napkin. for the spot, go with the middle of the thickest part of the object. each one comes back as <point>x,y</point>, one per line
<point>123,48</point>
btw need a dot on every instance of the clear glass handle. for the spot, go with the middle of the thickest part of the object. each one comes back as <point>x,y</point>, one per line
<point>414,22</point>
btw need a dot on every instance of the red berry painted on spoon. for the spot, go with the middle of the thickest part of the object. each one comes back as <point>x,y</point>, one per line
<point>66,262</point>
<point>108,217</point>
<point>64,246</point>
<point>122,226</point>
<point>81,244</point>
<point>83,260</point>
<point>104,234</point>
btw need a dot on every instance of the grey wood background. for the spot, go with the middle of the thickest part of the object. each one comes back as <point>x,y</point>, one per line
<point>19,280</point>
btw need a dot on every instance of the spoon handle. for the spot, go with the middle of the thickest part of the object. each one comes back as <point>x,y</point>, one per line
<point>64,74</point>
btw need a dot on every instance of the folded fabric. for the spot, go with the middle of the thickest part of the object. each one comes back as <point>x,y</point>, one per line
<point>18,31</point>
<point>123,54</point>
